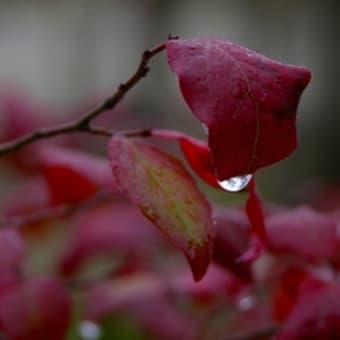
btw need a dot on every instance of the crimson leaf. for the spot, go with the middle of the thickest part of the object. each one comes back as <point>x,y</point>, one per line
<point>316,315</point>
<point>72,175</point>
<point>255,213</point>
<point>167,195</point>
<point>247,101</point>
<point>196,152</point>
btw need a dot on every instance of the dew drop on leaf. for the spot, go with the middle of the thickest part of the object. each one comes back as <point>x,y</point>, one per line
<point>235,184</point>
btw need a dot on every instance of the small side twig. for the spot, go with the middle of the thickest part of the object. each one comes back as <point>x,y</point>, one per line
<point>84,123</point>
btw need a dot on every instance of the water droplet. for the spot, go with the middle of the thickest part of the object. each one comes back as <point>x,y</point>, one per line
<point>89,330</point>
<point>205,128</point>
<point>235,184</point>
<point>246,302</point>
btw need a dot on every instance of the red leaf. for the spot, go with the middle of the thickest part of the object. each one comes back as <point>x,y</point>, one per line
<point>303,232</point>
<point>143,297</point>
<point>216,285</point>
<point>287,291</point>
<point>255,213</point>
<point>232,239</point>
<point>167,195</point>
<point>36,309</point>
<point>72,175</point>
<point>198,155</point>
<point>109,296</point>
<point>247,101</point>
<point>117,229</point>
<point>12,250</point>
<point>196,152</point>
<point>316,315</point>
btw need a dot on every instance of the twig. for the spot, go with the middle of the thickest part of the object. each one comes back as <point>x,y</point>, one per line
<point>83,124</point>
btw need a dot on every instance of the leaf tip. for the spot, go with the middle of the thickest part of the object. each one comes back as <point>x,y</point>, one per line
<point>199,260</point>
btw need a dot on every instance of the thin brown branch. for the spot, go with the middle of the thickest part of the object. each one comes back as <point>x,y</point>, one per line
<point>123,88</point>
<point>83,124</point>
<point>29,138</point>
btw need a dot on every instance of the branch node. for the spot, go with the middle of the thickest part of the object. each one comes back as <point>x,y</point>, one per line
<point>172,37</point>
<point>147,54</point>
<point>122,87</point>
<point>146,133</point>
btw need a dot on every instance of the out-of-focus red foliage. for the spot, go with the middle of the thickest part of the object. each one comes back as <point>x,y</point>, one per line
<point>116,230</point>
<point>35,309</point>
<point>232,240</point>
<point>303,232</point>
<point>73,176</point>
<point>12,250</point>
<point>316,314</point>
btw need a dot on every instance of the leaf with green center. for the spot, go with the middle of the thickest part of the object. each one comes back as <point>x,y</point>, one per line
<point>167,195</point>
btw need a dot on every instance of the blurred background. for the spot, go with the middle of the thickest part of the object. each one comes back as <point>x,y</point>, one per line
<point>71,54</point>
<point>59,59</point>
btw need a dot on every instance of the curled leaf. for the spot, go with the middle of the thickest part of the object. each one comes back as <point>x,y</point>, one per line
<point>196,152</point>
<point>247,101</point>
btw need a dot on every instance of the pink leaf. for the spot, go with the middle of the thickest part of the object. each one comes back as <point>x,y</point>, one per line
<point>316,315</point>
<point>12,250</point>
<point>167,195</point>
<point>216,285</point>
<point>36,309</point>
<point>145,298</point>
<point>109,296</point>
<point>232,239</point>
<point>303,232</point>
<point>247,101</point>
<point>114,229</point>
